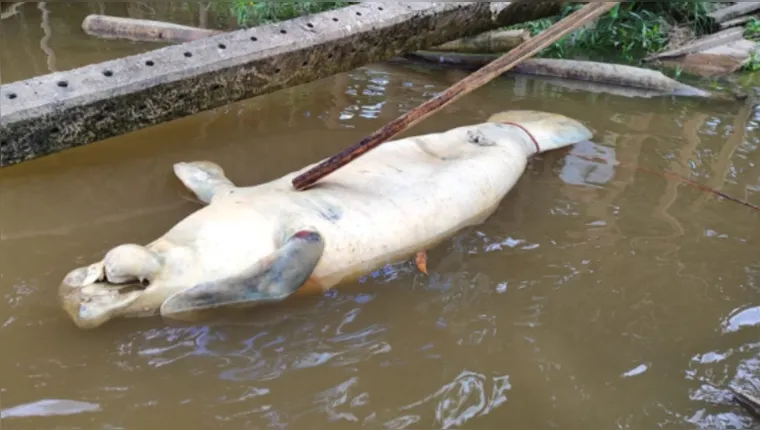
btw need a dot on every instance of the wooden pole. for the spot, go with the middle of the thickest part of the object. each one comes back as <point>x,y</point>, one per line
<point>143,30</point>
<point>495,41</point>
<point>477,79</point>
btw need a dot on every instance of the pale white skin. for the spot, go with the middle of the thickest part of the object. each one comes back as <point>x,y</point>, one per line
<point>403,197</point>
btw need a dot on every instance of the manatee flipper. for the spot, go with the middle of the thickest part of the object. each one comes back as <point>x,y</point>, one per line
<point>269,280</point>
<point>204,178</point>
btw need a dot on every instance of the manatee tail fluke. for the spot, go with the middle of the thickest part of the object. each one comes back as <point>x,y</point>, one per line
<point>544,131</point>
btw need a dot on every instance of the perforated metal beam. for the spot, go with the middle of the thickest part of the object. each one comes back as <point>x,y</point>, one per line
<point>51,113</point>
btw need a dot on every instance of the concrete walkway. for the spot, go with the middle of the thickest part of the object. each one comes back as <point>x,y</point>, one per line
<point>51,113</point>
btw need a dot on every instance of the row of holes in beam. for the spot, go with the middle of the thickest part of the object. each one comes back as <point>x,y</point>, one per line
<point>150,63</point>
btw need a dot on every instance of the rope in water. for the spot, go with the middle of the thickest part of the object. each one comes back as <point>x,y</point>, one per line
<point>644,169</point>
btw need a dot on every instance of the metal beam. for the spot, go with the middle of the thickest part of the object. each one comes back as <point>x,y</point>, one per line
<point>54,112</point>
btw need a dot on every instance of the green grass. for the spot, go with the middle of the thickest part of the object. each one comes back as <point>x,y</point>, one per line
<point>628,32</point>
<point>752,29</point>
<point>752,32</point>
<point>250,14</point>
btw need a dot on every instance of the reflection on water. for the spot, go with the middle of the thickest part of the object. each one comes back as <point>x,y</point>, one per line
<point>594,165</point>
<point>745,318</point>
<point>597,296</point>
<point>49,407</point>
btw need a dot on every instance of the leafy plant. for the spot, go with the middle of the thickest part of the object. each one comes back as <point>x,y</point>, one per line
<point>250,13</point>
<point>753,65</point>
<point>752,32</point>
<point>752,29</point>
<point>628,31</point>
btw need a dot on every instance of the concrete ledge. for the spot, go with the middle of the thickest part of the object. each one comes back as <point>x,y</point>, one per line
<point>61,110</point>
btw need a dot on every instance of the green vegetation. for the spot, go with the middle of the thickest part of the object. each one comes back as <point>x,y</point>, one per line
<point>752,32</point>
<point>250,13</point>
<point>752,29</point>
<point>628,32</point>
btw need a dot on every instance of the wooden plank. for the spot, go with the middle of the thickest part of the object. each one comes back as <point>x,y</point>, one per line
<point>701,44</point>
<point>734,11</point>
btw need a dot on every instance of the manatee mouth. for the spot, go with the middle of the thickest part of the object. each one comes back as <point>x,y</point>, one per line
<point>90,301</point>
<point>94,294</point>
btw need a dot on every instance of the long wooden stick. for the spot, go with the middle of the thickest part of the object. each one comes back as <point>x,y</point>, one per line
<point>477,79</point>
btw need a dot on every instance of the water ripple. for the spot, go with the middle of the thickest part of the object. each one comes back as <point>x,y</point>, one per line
<point>467,397</point>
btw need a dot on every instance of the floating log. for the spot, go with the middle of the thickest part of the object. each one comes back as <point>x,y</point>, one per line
<point>718,61</point>
<point>706,65</point>
<point>143,30</point>
<point>734,11</point>
<point>489,42</point>
<point>479,78</point>
<point>588,71</point>
<point>701,44</point>
<point>715,55</point>
<point>54,112</point>
<point>738,21</point>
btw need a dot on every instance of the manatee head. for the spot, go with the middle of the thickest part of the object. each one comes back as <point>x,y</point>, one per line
<point>94,294</point>
<point>176,282</point>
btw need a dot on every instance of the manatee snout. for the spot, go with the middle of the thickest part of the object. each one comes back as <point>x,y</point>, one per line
<point>130,262</point>
<point>93,294</point>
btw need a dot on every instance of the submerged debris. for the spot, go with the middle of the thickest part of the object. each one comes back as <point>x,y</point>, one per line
<point>718,54</point>
<point>588,71</point>
<point>728,16</point>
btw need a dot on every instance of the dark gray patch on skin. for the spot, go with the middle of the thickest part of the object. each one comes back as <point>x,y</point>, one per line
<point>206,299</point>
<point>331,214</point>
<point>478,138</point>
<point>326,211</point>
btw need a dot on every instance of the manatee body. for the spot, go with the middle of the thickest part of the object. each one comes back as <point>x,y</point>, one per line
<point>267,242</point>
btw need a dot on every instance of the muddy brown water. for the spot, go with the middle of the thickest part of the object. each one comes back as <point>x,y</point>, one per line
<point>595,297</point>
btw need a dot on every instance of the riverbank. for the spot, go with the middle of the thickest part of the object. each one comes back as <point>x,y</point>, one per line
<point>686,40</point>
<point>697,38</point>
<point>630,34</point>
